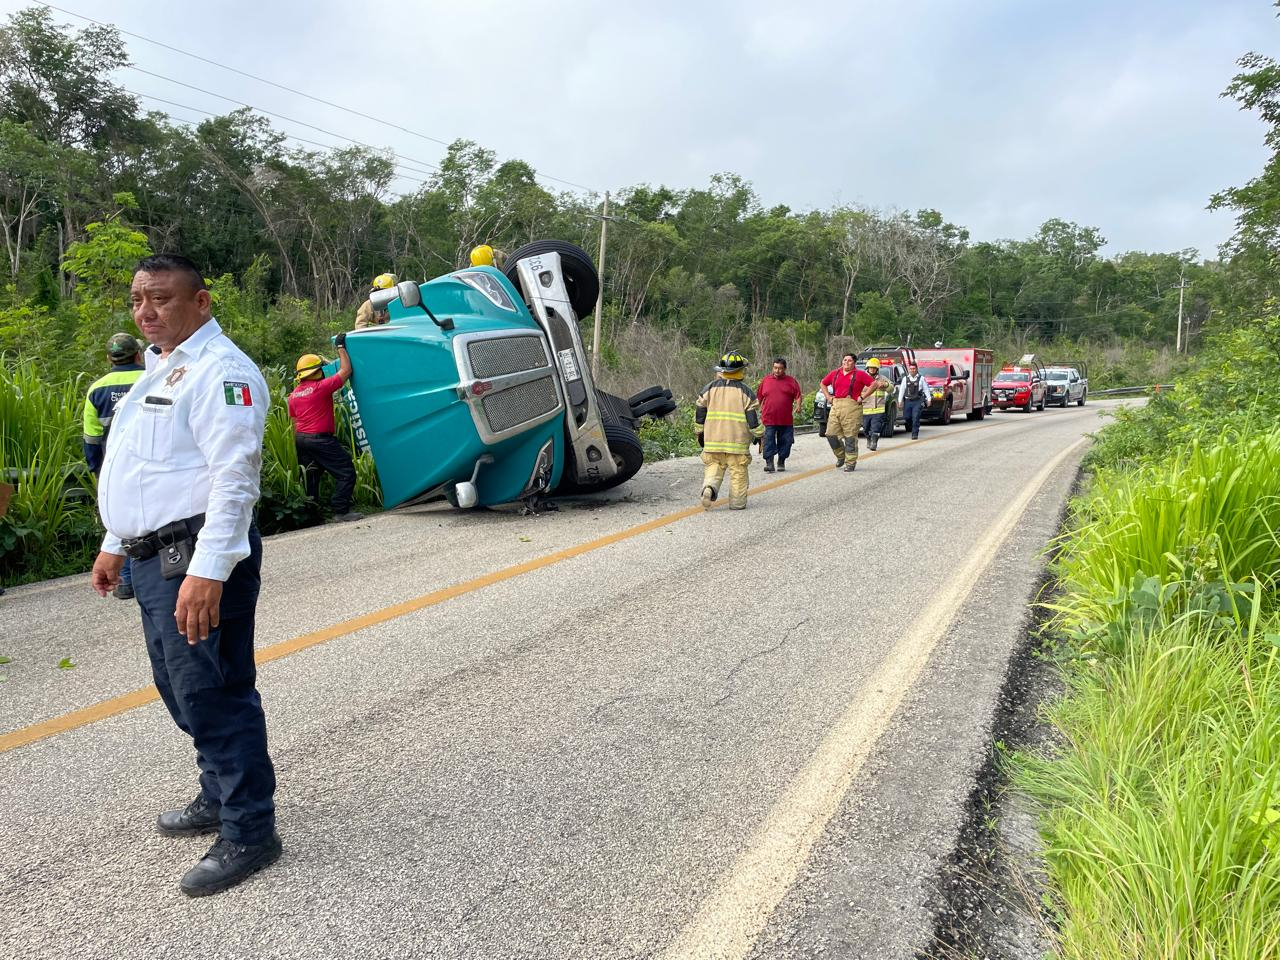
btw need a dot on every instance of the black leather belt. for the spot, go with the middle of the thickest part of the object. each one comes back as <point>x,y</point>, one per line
<point>149,544</point>
<point>316,436</point>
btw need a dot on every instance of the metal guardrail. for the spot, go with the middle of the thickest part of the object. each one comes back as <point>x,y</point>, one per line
<point>1116,391</point>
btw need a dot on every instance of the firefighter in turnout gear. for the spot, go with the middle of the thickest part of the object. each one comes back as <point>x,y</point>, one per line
<point>843,387</point>
<point>366,316</point>
<point>873,403</point>
<point>727,421</point>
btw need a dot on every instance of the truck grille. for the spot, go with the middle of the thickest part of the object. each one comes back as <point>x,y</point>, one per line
<point>498,357</point>
<point>519,404</point>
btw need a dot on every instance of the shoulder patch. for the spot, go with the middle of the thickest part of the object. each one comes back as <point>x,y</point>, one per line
<point>237,393</point>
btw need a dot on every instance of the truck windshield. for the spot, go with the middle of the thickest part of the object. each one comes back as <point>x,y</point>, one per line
<point>1058,375</point>
<point>1015,377</point>
<point>934,369</point>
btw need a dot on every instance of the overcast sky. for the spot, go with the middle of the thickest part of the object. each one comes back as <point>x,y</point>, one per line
<point>999,113</point>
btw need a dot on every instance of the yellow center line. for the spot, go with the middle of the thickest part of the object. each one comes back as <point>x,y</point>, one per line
<point>276,651</point>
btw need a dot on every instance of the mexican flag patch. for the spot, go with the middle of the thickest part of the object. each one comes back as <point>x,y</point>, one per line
<point>237,393</point>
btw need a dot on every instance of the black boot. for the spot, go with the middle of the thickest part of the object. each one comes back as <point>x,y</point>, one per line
<point>200,816</point>
<point>227,863</point>
<point>782,466</point>
<point>768,464</point>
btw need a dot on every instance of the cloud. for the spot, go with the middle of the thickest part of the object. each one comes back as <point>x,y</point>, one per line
<point>1000,113</point>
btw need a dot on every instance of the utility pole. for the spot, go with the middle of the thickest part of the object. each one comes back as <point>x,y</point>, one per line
<point>595,333</point>
<point>1182,288</point>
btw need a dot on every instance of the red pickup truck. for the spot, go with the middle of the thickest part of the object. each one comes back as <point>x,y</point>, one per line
<point>1021,385</point>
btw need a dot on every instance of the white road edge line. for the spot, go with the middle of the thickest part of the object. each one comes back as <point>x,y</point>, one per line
<point>734,915</point>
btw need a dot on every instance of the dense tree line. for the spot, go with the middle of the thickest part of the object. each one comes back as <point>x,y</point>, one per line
<point>88,178</point>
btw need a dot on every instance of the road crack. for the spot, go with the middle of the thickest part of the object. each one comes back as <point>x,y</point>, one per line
<point>752,657</point>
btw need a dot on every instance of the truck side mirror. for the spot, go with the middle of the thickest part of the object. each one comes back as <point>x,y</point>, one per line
<point>410,293</point>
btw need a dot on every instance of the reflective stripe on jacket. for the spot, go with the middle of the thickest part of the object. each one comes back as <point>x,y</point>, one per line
<point>727,417</point>
<point>874,403</point>
<point>100,407</point>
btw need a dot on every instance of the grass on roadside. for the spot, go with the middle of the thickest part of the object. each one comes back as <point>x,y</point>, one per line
<point>1159,840</point>
<point>1161,802</point>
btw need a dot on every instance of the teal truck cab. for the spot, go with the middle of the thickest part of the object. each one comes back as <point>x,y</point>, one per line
<point>478,389</point>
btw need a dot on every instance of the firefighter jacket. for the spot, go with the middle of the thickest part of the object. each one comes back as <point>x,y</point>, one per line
<point>727,417</point>
<point>366,317</point>
<point>100,407</point>
<point>874,403</point>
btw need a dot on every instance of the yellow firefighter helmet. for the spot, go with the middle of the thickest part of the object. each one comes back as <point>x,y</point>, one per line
<point>308,366</point>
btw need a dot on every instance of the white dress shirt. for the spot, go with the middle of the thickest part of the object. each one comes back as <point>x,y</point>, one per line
<point>186,440</point>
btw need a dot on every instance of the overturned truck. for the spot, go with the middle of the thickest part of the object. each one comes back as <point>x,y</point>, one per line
<point>478,389</point>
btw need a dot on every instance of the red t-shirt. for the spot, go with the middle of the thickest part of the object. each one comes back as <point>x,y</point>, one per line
<point>778,397</point>
<point>841,382</point>
<point>311,405</point>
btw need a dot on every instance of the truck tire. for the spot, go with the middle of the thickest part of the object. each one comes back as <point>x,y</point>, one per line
<point>648,393</point>
<point>580,277</point>
<point>1063,404</point>
<point>1030,405</point>
<point>945,417</point>
<point>890,419</point>
<point>977,413</point>
<point>1080,402</point>
<point>628,455</point>
<point>654,407</point>
<point>1043,403</point>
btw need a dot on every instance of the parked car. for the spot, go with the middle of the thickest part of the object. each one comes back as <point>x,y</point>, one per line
<point>1020,385</point>
<point>478,390</point>
<point>1067,383</point>
<point>959,382</point>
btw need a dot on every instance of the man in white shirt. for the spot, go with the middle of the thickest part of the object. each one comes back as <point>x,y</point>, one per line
<point>177,490</point>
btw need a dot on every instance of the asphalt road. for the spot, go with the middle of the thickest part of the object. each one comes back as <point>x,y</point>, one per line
<point>625,729</point>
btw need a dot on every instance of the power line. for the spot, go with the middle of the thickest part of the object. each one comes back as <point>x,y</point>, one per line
<point>287,136</point>
<point>279,116</point>
<point>287,89</point>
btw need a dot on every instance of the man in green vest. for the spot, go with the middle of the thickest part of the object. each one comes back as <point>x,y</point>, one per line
<point>125,354</point>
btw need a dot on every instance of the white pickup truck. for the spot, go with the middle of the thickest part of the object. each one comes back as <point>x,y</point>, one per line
<point>1067,382</point>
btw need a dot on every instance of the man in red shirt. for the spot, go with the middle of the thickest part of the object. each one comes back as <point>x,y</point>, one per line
<point>319,451</point>
<point>779,397</point>
<point>844,387</point>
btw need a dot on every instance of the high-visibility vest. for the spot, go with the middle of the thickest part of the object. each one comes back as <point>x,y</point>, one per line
<point>876,399</point>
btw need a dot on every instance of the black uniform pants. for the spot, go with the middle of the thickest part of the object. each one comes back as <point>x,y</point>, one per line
<point>210,691</point>
<point>914,408</point>
<point>323,453</point>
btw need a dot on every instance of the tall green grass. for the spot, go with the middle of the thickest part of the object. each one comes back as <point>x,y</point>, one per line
<point>49,528</point>
<point>1158,804</point>
<point>1161,800</point>
<point>1197,523</point>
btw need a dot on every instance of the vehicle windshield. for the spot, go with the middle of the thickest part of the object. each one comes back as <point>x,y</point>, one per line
<point>1059,375</point>
<point>1015,377</point>
<point>934,369</point>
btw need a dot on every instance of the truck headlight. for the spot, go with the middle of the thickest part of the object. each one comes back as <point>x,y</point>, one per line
<point>937,394</point>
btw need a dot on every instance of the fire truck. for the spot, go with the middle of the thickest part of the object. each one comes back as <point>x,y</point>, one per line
<point>959,382</point>
<point>1021,385</point>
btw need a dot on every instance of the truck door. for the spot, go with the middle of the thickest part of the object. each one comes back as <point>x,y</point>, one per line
<point>960,392</point>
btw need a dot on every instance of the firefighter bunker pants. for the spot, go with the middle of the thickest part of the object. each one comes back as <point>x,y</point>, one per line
<point>842,428</point>
<point>736,465</point>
